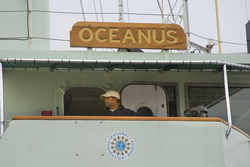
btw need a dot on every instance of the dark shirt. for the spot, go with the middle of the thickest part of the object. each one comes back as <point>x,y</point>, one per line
<point>120,111</point>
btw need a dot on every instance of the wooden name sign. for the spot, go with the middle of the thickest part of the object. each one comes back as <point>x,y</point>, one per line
<point>127,35</point>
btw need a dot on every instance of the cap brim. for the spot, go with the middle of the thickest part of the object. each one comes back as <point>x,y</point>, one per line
<point>102,96</point>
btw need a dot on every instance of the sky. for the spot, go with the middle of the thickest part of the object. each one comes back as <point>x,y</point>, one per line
<point>233,16</point>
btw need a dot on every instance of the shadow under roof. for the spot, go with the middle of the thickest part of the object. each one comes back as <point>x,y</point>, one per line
<point>163,65</point>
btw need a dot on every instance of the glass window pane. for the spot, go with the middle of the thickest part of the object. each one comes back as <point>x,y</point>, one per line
<point>213,98</point>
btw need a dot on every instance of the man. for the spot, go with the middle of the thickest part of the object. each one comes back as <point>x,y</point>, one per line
<point>112,99</point>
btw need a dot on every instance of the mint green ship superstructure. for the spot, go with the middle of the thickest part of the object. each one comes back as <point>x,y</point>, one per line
<point>195,106</point>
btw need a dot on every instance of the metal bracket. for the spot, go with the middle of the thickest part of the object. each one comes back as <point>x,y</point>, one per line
<point>53,67</point>
<point>201,48</point>
<point>3,122</point>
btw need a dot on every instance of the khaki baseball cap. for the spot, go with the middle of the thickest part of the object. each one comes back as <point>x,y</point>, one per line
<point>109,94</point>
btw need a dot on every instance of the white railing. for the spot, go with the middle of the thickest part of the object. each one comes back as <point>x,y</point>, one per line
<point>229,118</point>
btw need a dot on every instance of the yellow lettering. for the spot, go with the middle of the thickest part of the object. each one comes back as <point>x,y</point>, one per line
<point>90,34</point>
<point>142,34</point>
<point>175,39</point>
<point>97,35</point>
<point>128,35</point>
<point>162,36</point>
<point>111,35</point>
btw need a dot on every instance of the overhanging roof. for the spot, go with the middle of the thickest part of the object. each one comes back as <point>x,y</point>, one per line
<point>163,65</point>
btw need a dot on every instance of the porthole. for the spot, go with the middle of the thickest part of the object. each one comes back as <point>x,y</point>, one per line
<point>145,111</point>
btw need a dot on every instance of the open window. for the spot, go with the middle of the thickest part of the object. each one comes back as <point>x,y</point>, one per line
<point>83,101</point>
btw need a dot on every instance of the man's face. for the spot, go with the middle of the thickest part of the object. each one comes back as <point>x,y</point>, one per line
<point>110,101</point>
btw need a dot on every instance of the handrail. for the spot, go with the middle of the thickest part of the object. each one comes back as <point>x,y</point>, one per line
<point>119,118</point>
<point>129,118</point>
<point>229,117</point>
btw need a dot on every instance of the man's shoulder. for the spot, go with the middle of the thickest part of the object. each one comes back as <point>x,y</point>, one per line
<point>121,107</point>
<point>129,112</point>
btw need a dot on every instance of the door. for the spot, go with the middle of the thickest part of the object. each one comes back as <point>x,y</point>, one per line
<point>147,100</point>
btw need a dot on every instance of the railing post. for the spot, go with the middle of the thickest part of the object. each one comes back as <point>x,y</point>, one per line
<point>1,100</point>
<point>229,118</point>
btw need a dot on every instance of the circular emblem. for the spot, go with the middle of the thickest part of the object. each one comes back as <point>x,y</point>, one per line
<point>120,145</point>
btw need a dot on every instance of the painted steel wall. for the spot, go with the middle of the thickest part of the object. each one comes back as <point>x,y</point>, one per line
<point>236,149</point>
<point>14,24</point>
<point>84,143</point>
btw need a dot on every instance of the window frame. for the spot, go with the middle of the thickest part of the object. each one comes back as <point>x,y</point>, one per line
<point>162,84</point>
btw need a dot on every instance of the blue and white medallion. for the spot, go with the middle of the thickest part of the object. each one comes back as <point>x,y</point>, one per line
<point>120,145</point>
